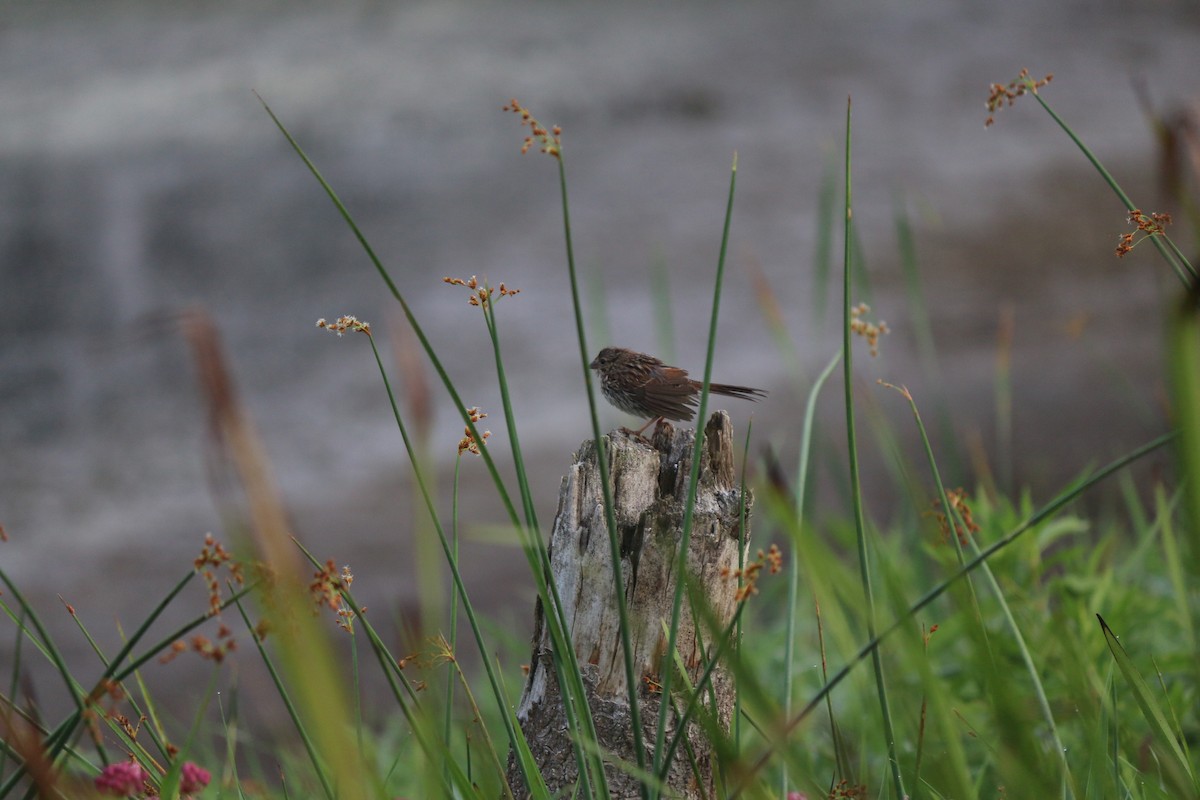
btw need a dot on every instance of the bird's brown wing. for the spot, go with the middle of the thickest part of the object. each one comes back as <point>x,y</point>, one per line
<point>668,393</point>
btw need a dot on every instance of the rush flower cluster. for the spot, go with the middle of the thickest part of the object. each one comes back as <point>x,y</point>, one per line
<point>345,323</point>
<point>1000,95</point>
<point>550,140</point>
<point>958,501</point>
<point>1153,224</point>
<point>468,444</point>
<point>326,591</point>
<point>771,560</point>
<point>871,331</point>
<point>212,557</point>
<point>481,294</point>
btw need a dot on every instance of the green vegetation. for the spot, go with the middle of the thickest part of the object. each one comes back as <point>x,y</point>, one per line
<point>1016,649</point>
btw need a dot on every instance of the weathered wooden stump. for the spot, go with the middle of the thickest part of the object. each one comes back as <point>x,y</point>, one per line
<point>650,482</point>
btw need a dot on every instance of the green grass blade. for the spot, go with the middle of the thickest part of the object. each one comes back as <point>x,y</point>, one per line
<point>510,420</point>
<point>434,360</point>
<point>537,787</point>
<point>860,524</point>
<point>661,767</point>
<point>801,492</point>
<point>1169,751</point>
<point>1064,498</point>
<point>293,713</point>
<point>1166,248</point>
<point>955,522</point>
<point>459,584</point>
<point>631,678</point>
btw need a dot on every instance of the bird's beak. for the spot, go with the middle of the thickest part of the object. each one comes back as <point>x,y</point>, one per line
<point>593,365</point>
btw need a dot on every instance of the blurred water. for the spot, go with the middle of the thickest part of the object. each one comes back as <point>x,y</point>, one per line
<point>139,176</point>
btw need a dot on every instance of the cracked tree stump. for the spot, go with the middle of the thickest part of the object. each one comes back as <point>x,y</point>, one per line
<point>650,483</point>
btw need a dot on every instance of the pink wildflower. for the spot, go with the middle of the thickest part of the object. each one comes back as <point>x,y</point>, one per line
<point>193,778</point>
<point>122,780</point>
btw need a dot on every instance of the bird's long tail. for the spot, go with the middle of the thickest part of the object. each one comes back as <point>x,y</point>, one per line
<point>741,392</point>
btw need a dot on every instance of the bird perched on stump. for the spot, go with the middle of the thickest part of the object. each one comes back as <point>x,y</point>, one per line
<point>645,387</point>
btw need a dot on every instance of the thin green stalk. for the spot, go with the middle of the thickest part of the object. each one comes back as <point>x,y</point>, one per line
<point>47,644</point>
<point>537,789</point>
<point>490,746</point>
<point>436,362</point>
<point>391,665</point>
<point>293,713</point>
<point>709,723</point>
<point>392,671</point>
<point>575,684</point>
<point>1165,246</point>
<point>449,710</point>
<point>723,640</point>
<point>738,631</point>
<point>955,522</point>
<point>56,741</point>
<point>614,545</point>
<point>661,767</point>
<point>1065,497</point>
<point>856,488</point>
<point>229,732</point>
<point>13,682</point>
<point>923,328</point>
<point>789,645</point>
<point>560,632</point>
<point>358,715</point>
<point>459,585</point>
<point>154,728</point>
<point>510,419</point>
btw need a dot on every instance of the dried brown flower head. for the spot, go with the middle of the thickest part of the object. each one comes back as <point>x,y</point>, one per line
<point>468,444</point>
<point>481,294</point>
<point>1000,95</point>
<point>1153,224</point>
<point>551,140</point>
<point>772,560</point>
<point>326,591</point>
<point>871,331</point>
<point>345,323</point>
<point>964,525</point>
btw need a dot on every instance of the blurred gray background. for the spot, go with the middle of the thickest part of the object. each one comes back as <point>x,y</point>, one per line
<point>140,176</point>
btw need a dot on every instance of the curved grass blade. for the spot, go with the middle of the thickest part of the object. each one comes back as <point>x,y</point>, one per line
<point>1171,755</point>
<point>956,522</point>
<point>575,683</point>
